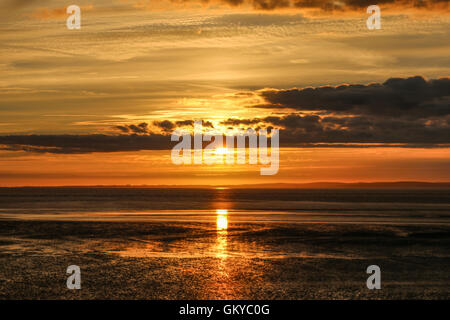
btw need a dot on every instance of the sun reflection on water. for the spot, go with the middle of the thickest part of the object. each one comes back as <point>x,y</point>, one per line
<point>222,219</point>
<point>222,227</point>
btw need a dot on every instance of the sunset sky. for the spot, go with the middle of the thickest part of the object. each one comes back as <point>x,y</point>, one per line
<point>96,106</point>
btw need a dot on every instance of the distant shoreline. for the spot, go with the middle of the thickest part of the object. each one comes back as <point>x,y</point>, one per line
<point>312,185</point>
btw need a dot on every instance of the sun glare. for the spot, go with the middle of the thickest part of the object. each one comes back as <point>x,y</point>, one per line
<point>220,151</point>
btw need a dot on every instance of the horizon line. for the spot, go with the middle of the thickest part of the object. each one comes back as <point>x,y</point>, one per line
<point>283,185</point>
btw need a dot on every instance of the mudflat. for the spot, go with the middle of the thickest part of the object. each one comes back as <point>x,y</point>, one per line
<point>221,259</point>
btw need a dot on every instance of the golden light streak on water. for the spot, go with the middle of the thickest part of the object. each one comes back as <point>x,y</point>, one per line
<point>222,219</point>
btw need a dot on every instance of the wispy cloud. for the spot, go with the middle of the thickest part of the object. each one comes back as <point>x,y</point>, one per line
<point>54,13</point>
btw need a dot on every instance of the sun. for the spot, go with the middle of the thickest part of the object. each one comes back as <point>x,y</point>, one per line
<point>221,151</point>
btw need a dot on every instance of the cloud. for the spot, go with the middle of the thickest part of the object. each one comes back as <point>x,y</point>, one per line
<point>237,122</point>
<point>256,19</point>
<point>15,4</point>
<point>299,129</point>
<point>409,111</point>
<point>413,98</point>
<point>47,13</point>
<point>296,130</point>
<point>166,126</point>
<point>54,13</point>
<point>10,8</point>
<point>141,128</point>
<point>323,5</point>
<point>75,144</point>
<point>400,110</point>
<point>190,123</point>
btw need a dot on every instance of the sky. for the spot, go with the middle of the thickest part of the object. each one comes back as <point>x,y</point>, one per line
<point>98,105</point>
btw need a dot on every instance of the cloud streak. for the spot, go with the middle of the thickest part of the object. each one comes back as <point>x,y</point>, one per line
<point>78,144</point>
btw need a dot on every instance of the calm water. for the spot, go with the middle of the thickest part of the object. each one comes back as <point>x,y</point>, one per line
<point>144,199</point>
<point>239,205</point>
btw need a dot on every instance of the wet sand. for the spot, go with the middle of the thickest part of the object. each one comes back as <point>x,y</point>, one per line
<point>223,258</point>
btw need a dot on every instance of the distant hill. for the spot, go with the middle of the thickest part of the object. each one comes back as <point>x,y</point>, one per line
<point>312,185</point>
<point>357,185</point>
<point>322,185</point>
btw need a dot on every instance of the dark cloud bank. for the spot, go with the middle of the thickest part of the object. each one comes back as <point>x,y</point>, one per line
<point>411,111</point>
<point>412,98</point>
<point>327,5</point>
<point>271,5</point>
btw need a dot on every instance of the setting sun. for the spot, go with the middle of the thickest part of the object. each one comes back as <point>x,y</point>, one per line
<point>220,151</point>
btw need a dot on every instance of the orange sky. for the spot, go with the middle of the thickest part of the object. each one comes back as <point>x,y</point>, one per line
<point>137,62</point>
<point>296,166</point>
